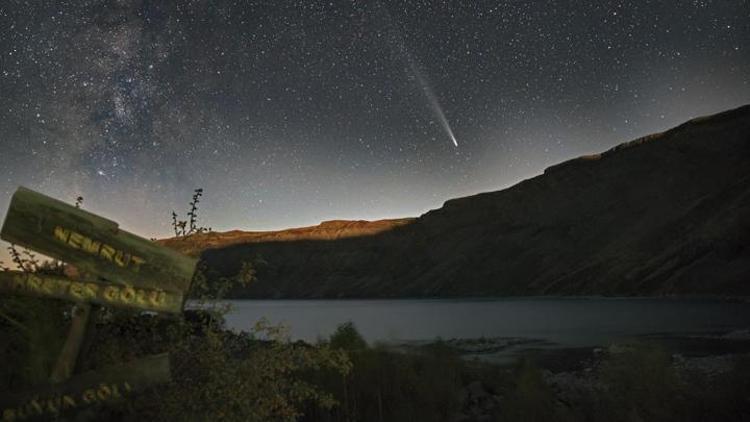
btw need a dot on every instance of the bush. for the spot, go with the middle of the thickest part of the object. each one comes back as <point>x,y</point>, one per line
<point>223,376</point>
<point>530,398</point>
<point>347,337</point>
<point>217,374</point>
<point>386,385</point>
<point>641,384</point>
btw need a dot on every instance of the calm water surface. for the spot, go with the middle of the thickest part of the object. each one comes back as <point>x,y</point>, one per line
<point>563,322</point>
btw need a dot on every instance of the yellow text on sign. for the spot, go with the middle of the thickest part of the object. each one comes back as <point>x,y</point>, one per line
<point>54,405</point>
<point>85,291</point>
<point>94,247</point>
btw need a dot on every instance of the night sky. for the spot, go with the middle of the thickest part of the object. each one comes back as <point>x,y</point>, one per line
<point>288,113</point>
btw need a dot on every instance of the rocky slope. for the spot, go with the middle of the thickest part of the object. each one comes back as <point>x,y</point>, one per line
<point>327,230</point>
<point>665,214</point>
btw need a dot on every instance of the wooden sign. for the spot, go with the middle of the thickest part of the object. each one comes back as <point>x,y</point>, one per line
<point>122,270</point>
<point>98,292</point>
<point>95,246</point>
<point>107,385</point>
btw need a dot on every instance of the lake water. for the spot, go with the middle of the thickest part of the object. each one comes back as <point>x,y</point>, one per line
<point>556,322</point>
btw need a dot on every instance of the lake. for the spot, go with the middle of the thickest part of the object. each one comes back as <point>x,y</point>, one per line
<point>546,322</point>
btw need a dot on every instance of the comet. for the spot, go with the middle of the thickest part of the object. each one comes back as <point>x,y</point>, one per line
<point>435,105</point>
<point>429,93</point>
<point>397,41</point>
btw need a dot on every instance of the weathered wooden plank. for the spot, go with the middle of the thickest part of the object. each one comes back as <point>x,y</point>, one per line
<point>99,292</point>
<point>102,386</point>
<point>66,362</point>
<point>93,244</point>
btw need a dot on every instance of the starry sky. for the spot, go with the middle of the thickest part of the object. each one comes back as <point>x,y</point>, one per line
<point>288,113</point>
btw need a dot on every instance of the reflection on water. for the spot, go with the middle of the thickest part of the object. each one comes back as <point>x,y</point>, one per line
<point>568,322</point>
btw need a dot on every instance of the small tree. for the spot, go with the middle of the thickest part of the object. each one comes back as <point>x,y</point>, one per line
<point>189,226</point>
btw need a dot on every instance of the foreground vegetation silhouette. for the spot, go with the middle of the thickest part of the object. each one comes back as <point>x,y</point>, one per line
<point>261,375</point>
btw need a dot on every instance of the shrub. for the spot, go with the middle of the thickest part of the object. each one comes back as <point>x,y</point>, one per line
<point>387,385</point>
<point>641,384</point>
<point>530,398</point>
<point>347,337</point>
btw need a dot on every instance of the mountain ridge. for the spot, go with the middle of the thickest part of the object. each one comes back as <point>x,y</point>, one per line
<point>667,213</point>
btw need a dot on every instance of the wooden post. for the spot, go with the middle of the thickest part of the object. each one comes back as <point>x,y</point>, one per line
<point>66,362</point>
<point>88,338</point>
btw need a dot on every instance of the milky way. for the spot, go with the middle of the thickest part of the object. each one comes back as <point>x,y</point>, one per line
<point>289,113</point>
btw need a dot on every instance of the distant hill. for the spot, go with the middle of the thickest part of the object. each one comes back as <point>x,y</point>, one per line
<point>327,230</point>
<point>665,214</point>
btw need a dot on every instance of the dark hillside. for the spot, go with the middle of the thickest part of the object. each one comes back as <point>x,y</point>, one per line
<point>665,214</point>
